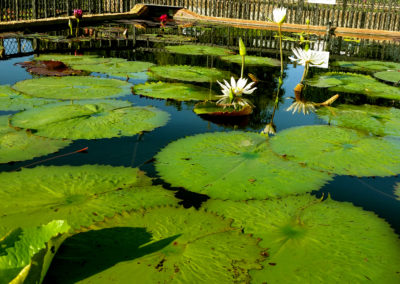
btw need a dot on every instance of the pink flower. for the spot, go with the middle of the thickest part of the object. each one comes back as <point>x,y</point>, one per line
<point>163,18</point>
<point>78,13</point>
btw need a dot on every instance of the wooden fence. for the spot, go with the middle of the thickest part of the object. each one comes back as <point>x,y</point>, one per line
<point>362,14</point>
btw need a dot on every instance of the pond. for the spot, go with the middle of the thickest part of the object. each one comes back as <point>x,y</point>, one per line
<point>154,192</point>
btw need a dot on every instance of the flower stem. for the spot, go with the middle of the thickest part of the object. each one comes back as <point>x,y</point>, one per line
<point>241,73</point>
<point>304,73</point>
<point>280,47</point>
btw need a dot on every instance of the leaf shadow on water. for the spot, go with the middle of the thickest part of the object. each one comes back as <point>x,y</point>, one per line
<point>92,252</point>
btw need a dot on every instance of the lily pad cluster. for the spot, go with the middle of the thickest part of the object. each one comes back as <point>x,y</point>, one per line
<point>73,87</point>
<point>21,145</point>
<point>161,245</point>
<point>12,100</point>
<point>303,236</point>
<point>354,83</point>
<point>188,73</point>
<point>381,121</point>
<point>234,165</point>
<point>339,150</point>
<point>90,119</point>
<point>175,91</point>
<point>117,67</point>
<point>80,195</point>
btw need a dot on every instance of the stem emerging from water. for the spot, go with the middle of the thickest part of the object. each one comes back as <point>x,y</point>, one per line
<point>241,73</point>
<point>280,47</point>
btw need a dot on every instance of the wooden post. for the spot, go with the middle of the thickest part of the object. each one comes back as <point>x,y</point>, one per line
<point>299,11</point>
<point>34,9</point>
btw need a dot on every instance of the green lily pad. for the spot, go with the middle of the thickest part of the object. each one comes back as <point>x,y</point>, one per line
<point>369,66</point>
<point>175,91</point>
<point>12,100</point>
<point>354,83</point>
<point>80,195</point>
<point>22,145</point>
<point>211,108</point>
<point>234,165</point>
<point>252,60</point>
<point>339,150</point>
<point>19,247</point>
<point>381,121</point>
<point>304,236</point>
<point>90,119</point>
<point>162,245</point>
<point>193,49</point>
<point>78,60</point>
<point>388,76</point>
<point>73,87</point>
<point>188,73</point>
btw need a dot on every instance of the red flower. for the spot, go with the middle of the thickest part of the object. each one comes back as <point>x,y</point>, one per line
<point>163,18</point>
<point>78,13</point>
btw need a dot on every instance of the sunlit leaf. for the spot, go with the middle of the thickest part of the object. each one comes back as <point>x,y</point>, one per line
<point>162,245</point>
<point>90,119</point>
<point>193,49</point>
<point>73,87</point>
<point>389,76</point>
<point>188,73</point>
<point>234,165</point>
<point>80,195</point>
<point>313,241</point>
<point>339,150</point>
<point>12,100</point>
<point>175,91</point>
<point>369,66</point>
<point>252,60</point>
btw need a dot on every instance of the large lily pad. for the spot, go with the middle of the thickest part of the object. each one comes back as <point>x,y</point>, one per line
<point>212,109</point>
<point>388,76</point>
<point>313,241</point>
<point>73,87</point>
<point>12,100</point>
<point>78,60</point>
<point>175,91</point>
<point>377,120</point>
<point>19,247</point>
<point>49,68</point>
<point>188,73</point>
<point>79,195</point>
<point>162,245</point>
<point>22,145</point>
<point>90,119</point>
<point>194,49</point>
<point>234,165</point>
<point>252,60</point>
<point>354,83</point>
<point>369,66</point>
<point>339,150</point>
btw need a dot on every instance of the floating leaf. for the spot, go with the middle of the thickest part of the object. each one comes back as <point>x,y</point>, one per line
<point>49,68</point>
<point>12,100</point>
<point>193,49</point>
<point>165,37</point>
<point>162,245</point>
<point>234,165</point>
<point>339,150</point>
<point>369,66</point>
<point>252,60</point>
<point>189,73</point>
<point>304,236</point>
<point>175,91</point>
<point>389,76</point>
<point>21,145</point>
<point>377,120</point>
<point>80,195</point>
<point>19,247</point>
<point>78,60</point>
<point>354,83</point>
<point>73,87</point>
<point>211,108</point>
<point>90,119</point>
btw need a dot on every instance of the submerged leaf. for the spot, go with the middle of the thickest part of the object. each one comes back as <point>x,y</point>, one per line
<point>234,165</point>
<point>369,66</point>
<point>12,100</point>
<point>175,91</point>
<point>189,73</point>
<point>193,49</point>
<point>354,83</point>
<point>305,235</point>
<point>162,245</point>
<point>90,119</point>
<point>389,76</point>
<point>252,60</point>
<point>73,87</point>
<point>19,247</point>
<point>22,145</point>
<point>339,150</point>
<point>80,195</point>
<point>377,120</point>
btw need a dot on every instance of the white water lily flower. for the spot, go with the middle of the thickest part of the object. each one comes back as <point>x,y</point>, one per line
<point>232,92</point>
<point>279,15</point>
<point>310,57</point>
